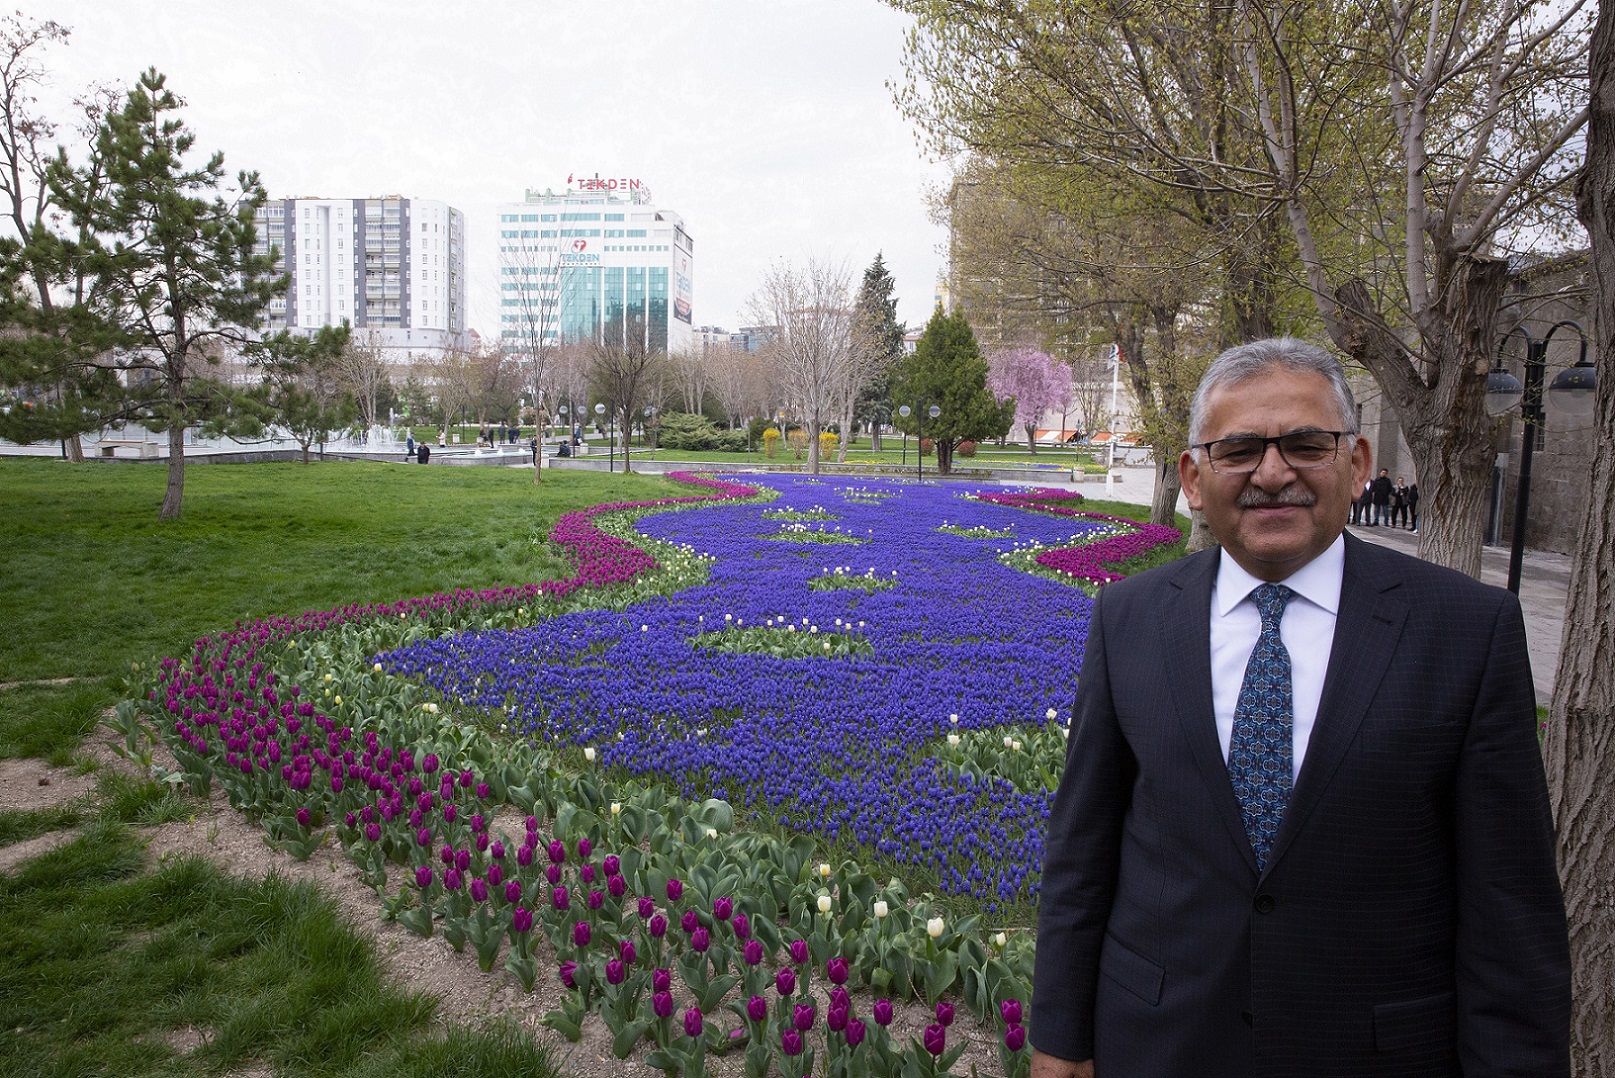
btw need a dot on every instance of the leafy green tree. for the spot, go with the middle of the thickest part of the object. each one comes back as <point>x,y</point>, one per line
<point>948,370</point>
<point>175,287</point>
<point>880,335</point>
<point>308,397</point>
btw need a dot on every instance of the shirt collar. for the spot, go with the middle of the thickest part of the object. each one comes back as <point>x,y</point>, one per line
<point>1318,581</point>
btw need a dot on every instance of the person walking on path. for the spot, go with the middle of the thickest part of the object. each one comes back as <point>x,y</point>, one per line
<point>1399,504</point>
<point>1382,498</point>
<point>409,447</point>
<point>1271,856</point>
<point>1413,508</point>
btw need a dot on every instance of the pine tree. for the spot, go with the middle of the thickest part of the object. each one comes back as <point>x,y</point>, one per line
<point>948,370</point>
<point>881,335</point>
<point>176,288</point>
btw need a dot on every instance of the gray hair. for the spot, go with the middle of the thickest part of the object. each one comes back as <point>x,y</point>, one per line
<point>1248,360</point>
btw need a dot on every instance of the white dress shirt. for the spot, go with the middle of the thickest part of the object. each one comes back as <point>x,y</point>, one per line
<point>1307,629</point>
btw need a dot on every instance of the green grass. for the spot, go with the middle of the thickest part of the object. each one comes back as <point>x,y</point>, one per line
<point>95,581</point>
<point>49,721</point>
<point>102,961</point>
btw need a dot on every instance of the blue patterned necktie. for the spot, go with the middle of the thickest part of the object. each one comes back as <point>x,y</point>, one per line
<point>1261,750</point>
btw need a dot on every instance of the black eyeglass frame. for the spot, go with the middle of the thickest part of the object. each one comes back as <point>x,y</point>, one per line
<point>1276,440</point>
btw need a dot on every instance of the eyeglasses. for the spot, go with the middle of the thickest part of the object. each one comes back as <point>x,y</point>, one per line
<point>1302,449</point>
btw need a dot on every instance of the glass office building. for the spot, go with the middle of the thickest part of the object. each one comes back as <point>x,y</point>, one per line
<point>597,261</point>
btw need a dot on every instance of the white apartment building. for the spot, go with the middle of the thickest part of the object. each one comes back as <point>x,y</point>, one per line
<point>591,261</point>
<point>393,268</point>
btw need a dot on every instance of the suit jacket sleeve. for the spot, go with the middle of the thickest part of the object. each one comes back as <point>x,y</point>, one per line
<point>1080,860</point>
<point>1513,963</point>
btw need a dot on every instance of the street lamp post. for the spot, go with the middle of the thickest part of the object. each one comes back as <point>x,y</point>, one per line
<point>919,450</point>
<point>1573,391</point>
<point>611,437</point>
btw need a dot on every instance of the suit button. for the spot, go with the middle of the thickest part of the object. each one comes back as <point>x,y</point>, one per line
<point>1249,1018</point>
<point>1265,903</point>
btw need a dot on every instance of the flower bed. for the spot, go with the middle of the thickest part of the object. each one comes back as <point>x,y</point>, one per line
<point>307,724</point>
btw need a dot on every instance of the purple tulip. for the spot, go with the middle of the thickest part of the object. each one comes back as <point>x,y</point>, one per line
<point>531,825</point>
<point>462,859</point>
<point>569,974</point>
<point>662,1004</point>
<point>423,837</point>
<point>557,852</point>
<point>837,969</point>
<point>802,1016</point>
<point>496,875</point>
<point>689,922</point>
<point>629,954</point>
<point>451,880</point>
<point>936,1039</point>
<point>1010,1010</point>
<point>1015,1038</point>
<point>553,874</point>
<point>372,832</point>
<point>836,1019</point>
<point>799,952</point>
<point>616,885</point>
<point>448,856</point>
<point>585,847</point>
<point>581,934</point>
<point>615,972</point>
<point>790,1042</point>
<point>675,890</point>
<point>752,952</point>
<point>303,818</point>
<point>524,856</point>
<point>700,940</point>
<point>692,1022</point>
<point>855,1032</point>
<point>661,980</point>
<point>785,982</point>
<point>513,891</point>
<point>611,866</point>
<point>840,998</point>
<point>423,877</point>
<point>586,873</point>
<point>757,1008</point>
<point>596,900</point>
<point>560,899</point>
<point>449,812</point>
<point>658,926</point>
<point>742,926</point>
<point>722,908</point>
<point>479,889</point>
<point>429,764</point>
<point>882,1012</point>
<point>497,851</point>
<point>647,907</point>
<point>944,1013</point>
<point>522,919</point>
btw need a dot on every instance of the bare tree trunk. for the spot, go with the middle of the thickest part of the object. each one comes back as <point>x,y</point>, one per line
<point>1164,506</point>
<point>174,495</point>
<point>1581,732</point>
<point>627,415</point>
<point>1031,438</point>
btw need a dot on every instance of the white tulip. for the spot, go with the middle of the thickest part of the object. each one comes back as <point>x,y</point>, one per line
<point>824,903</point>
<point>616,808</point>
<point>881,910</point>
<point>588,754</point>
<point>953,740</point>
<point>934,927</point>
<point>1000,939</point>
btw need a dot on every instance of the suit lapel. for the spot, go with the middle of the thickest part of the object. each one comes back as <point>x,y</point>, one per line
<point>1366,633</point>
<point>1187,622</point>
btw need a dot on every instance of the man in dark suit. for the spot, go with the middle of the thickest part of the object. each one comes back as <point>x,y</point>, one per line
<point>1303,829</point>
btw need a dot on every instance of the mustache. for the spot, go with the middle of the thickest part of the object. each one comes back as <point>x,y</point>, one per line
<point>1253,498</point>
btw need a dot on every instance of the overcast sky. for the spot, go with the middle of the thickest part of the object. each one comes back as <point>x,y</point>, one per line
<point>766,123</point>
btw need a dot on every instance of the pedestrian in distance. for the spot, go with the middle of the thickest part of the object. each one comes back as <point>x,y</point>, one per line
<point>423,453</point>
<point>409,447</point>
<point>1382,498</point>
<point>1399,503</point>
<point>1413,508</point>
<point>1274,852</point>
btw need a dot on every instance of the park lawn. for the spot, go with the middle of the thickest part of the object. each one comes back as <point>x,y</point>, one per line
<point>110,967</point>
<point>94,581</point>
